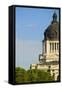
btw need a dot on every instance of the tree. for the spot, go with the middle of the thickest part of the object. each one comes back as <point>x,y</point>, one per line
<point>44,76</point>
<point>39,76</point>
<point>32,75</point>
<point>20,75</point>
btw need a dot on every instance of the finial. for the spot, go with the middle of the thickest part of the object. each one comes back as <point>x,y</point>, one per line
<point>54,17</point>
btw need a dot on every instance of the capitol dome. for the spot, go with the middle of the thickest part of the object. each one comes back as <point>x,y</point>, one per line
<point>52,31</point>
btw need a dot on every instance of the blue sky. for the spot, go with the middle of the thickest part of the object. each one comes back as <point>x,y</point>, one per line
<point>30,26</point>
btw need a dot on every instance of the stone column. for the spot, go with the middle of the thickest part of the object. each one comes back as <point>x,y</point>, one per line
<point>54,47</point>
<point>43,47</point>
<point>47,47</point>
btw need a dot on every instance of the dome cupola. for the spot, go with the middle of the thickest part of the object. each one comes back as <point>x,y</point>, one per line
<point>52,31</point>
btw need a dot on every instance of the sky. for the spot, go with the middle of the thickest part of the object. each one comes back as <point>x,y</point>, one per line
<point>30,26</point>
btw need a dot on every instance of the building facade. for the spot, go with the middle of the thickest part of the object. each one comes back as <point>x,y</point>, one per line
<point>49,59</point>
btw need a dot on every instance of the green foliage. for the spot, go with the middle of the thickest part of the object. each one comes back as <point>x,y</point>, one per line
<point>29,76</point>
<point>32,75</point>
<point>20,75</point>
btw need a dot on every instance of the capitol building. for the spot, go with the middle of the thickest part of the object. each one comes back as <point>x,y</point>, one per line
<point>49,58</point>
